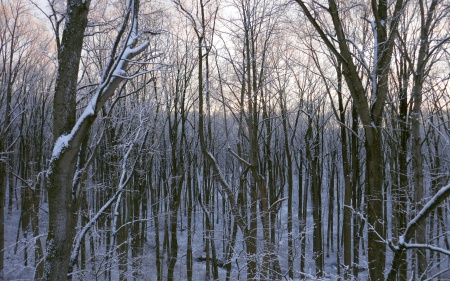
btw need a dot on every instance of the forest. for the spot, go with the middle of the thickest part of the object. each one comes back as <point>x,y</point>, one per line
<point>224,140</point>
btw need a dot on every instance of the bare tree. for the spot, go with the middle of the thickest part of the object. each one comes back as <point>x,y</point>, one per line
<point>370,109</point>
<point>70,132</point>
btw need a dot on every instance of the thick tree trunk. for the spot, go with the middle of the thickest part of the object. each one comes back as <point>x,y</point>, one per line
<point>230,249</point>
<point>69,136</point>
<point>348,194</point>
<point>376,225</point>
<point>62,219</point>
<point>62,222</point>
<point>417,164</point>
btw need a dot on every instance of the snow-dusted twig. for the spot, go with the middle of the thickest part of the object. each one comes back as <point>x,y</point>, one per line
<point>275,204</point>
<point>437,274</point>
<point>129,77</point>
<point>362,57</point>
<point>427,246</point>
<point>238,157</point>
<point>226,188</point>
<point>437,199</point>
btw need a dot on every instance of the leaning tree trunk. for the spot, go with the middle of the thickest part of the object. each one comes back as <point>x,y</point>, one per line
<point>70,133</point>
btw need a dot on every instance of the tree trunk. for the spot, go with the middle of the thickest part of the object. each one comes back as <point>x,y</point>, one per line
<point>357,193</point>
<point>290,186</point>
<point>2,209</point>
<point>316,192</point>
<point>312,154</point>
<point>331,204</point>
<point>122,247</point>
<point>137,221</point>
<point>302,210</point>
<point>402,188</point>
<point>173,247</point>
<point>155,213</point>
<point>376,226</point>
<point>62,222</point>
<point>417,157</point>
<point>190,227</point>
<point>62,218</point>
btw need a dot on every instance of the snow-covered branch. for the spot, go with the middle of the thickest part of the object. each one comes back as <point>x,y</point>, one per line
<point>63,141</point>
<point>226,188</point>
<point>111,79</point>
<point>429,247</point>
<point>125,77</point>
<point>403,244</point>
<point>238,157</point>
<point>437,199</point>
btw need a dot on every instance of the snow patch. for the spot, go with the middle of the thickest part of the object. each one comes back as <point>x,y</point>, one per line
<point>119,72</point>
<point>401,240</point>
<point>63,141</point>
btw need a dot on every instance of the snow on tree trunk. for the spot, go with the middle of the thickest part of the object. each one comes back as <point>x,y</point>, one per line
<point>69,133</point>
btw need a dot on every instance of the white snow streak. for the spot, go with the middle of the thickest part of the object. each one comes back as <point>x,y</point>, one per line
<point>63,141</point>
<point>430,204</point>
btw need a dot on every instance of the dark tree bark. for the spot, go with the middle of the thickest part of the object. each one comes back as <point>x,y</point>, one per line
<point>62,209</point>
<point>357,192</point>
<point>347,227</point>
<point>290,183</point>
<point>401,184</point>
<point>312,139</point>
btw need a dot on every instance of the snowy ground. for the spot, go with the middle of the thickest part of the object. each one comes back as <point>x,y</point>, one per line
<point>16,269</point>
